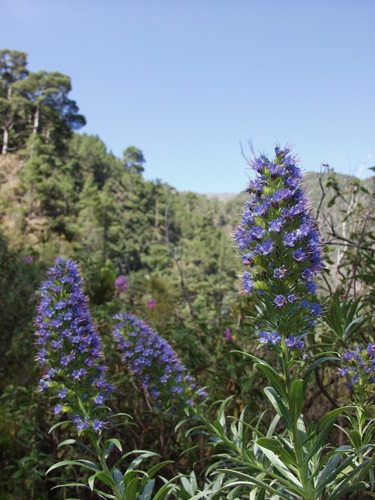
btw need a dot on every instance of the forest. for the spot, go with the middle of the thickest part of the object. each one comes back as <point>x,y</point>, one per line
<point>165,344</point>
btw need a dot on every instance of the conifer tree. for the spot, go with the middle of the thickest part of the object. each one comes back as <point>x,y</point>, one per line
<point>12,71</point>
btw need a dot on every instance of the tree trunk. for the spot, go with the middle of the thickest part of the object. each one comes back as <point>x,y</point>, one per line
<point>4,149</point>
<point>36,121</point>
<point>5,141</point>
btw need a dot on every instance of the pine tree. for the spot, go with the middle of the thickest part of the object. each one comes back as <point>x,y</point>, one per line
<point>12,104</point>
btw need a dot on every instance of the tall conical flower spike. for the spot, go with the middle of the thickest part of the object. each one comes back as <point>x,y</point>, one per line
<point>69,349</point>
<point>153,362</point>
<point>280,245</point>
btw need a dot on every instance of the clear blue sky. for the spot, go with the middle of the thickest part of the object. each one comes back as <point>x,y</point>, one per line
<point>185,81</point>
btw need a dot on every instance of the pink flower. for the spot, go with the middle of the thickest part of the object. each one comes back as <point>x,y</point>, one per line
<point>121,284</point>
<point>151,304</point>
<point>28,259</point>
<point>228,335</point>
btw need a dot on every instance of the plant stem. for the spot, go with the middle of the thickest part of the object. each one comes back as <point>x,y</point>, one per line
<point>297,444</point>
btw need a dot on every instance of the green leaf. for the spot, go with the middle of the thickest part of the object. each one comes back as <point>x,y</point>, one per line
<point>116,442</point>
<point>70,462</point>
<point>106,479</point>
<point>333,414</point>
<point>108,450</point>
<point>282,452</point>
<point>91,481</point>
<point>69,485</point>
<point>355,439</point>
<point>163,491</point>
<point>131,489</point>
<point>155,468</point>
<point>117,476</point>
<point>311,369</point>
<point>349,489</point>
<point>59,424</point>
<point>250,481</point>
<point>333,468</point>
<point>67,442</point>
<point>270,373</point>
<point>279,406</point>
<point>281,467</point>
<point>295,399</point>
<point>147,491</point>
<point>357,471</point>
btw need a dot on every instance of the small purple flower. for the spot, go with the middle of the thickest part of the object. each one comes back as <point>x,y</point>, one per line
<point>99,400</point>
<point>57,409</point>
<point>62,394</point>
<point>121,284</point>
<point>274,338</point>
<point>294,343</point>
<point>290,239</point>
<point>258,232</point>
<point>316,309</point>
<point>81,424</point>
<point>43,384</point>
<point>28,260</point>
<point>299,255</point>
<point>202,393</point>
<point>311,287</point>
<point>276,225</point>
<point>97,424</point>
<point>267,246</point>
<point>263,337</point>
<point>279,273</point>
<point>247,282</point>
<point>291,298</point>
<point>269,338</point>
<point>151,304</point>
<point>307,274</point>
<point>228,335</point>
<point>279,300</point>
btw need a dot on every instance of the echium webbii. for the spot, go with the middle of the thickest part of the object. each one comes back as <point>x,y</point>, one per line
<point>154,363</point>
<point>69,349</point>
<point>280,245</point>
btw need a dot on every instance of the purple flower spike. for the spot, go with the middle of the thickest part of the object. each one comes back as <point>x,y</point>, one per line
<point>152,360</point>
<point>69,348</point>
<point>279,239</point>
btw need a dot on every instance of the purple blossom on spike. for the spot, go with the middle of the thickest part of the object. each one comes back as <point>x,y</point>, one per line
<point>279,300</point>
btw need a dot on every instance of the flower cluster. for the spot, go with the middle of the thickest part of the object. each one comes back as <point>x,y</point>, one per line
<point>121,284</point>
<point>69,349</point>
<point>152,360</point>
<point>280,244</point>
<point>228,335</point>
<point>274,338</point>
<point>359,365</point>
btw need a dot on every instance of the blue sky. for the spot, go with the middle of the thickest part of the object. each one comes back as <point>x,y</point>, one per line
<point>186,81</point>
